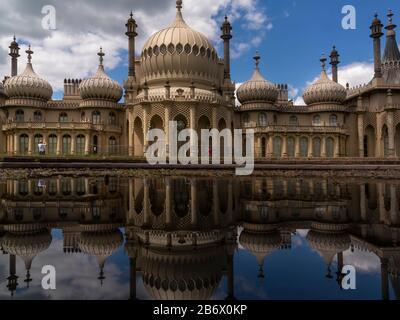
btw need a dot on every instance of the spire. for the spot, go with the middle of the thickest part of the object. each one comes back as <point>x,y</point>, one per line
<point>179,5</point>
<point>323,60</point>
<point>14,54</point>
<point>101,55</point>
<point>392,52</point>
<point>334,63</point>
<point>30,53</point>
<point>257,59</point>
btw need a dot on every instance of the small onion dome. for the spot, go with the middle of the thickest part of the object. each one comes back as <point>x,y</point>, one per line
<point>261,244</point>
<point>28,84</point>
<point>257,89</point>
<point>324,90</point>
<point>27,245</point>
<point>329,243</point>
<point>100,86</point>
<point>183,274</point>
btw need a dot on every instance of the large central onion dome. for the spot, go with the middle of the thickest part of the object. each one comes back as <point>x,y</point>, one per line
<point>180,53</point>
<point>100,86</point>
<point>324,90</point>
<point>257,89</point>
<point>28,84</point>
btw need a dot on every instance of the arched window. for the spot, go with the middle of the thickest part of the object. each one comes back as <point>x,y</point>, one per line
<point>333,120</point>
<point>293,121</point>
<point>24,144</point>
<point>262,120</point>
<point>113,119</point>
<point>112,146</point>
<point>330,143</point>
<point>316,147</point>
<point>80,145</point>
<point>317,120</point>
<point>37,139</point>
<point>37,116</point>
<point>246,120</point>
<point>52,144</point>
<point>304,147</point>
<point>19,116</point>
<point>66,145</point>
<point>291,147</point>
<point>63,117</point>
<point>83,116</point>
<point>96,117</point>
<point>277,147</point>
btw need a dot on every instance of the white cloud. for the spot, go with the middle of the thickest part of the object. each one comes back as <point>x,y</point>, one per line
<point>82,27</point>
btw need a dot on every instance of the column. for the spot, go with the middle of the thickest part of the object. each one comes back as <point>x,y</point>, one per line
<point>394,206</point>
<point>310,147</point>
<point>284,147</point>
<point>337,147</point>
<point>258,147</point>
<point>323,147</point>
<point>363,209</point>
<point>145,129</point>
<point>59,143</point>
<point>73,145</point>
<point>146,202</point>
<point>87,144</point>
<point>130,135</point>
<point>166,125</point>
<point>270,146</point>
<point>193,202</point>
<point>31,146</point>
<point>168,217</point>
<point>193,126</point>
<point>391,133</point>
<point>385,279</point>
<point>214,120</point>
<point>297,146</point>
<point>16,144</point>
<point>360,125</point>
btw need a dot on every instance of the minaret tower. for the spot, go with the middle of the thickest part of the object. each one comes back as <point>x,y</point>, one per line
<point>130,85</point>
<point>376,34</point>
<point>227,36</point>
<point>14,54</point>
<point>334,63</point>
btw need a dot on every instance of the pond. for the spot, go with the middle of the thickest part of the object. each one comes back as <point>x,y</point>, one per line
<point>196,238</point>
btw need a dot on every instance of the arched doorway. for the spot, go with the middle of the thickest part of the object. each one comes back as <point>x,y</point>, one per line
<point>66,144</point>
<point>277,147</point>
<point>369,142</point>
<point>24,144</point>
<point>138,139</point>
<point>95,145</point>
<point>304,147</point>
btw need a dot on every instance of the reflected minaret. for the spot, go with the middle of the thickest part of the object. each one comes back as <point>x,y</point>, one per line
<point>13,278</point>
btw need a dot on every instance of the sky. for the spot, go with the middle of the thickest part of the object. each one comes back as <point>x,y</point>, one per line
<point>290,35</point>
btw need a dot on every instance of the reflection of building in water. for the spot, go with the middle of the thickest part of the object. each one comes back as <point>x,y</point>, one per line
<point>181,237</point>
<point>88,211</point>
<point>181,233</point>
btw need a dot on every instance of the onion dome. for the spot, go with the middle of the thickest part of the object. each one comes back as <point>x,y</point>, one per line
<point>324,90</point>
<point>182,274</point>
<point>180,53</point>
<point>257,89</point>
<point>28,84</point>
<point>329,240</point>
<point>2,93</point>
<point>27,245</point>
<point>261,242</point>
<point>100,86</point>
<point>101,244</point>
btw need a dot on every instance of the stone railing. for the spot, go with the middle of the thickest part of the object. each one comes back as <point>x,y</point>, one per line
<point>299,129</point>
<point>61,126</point>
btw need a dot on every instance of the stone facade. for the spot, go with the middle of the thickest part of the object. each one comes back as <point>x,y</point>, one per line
<point>180,77</point>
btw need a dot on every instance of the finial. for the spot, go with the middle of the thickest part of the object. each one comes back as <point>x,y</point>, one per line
<point>390,16</point>
<point>15,39</point>
<point>257,59</point>
<point>323,61</point>
<point>131,14</point>
<point>101,54</point>
<point>30,53</point>
<point>179,4</point>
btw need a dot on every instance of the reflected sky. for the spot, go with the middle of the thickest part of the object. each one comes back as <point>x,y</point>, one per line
<point>178,238</point>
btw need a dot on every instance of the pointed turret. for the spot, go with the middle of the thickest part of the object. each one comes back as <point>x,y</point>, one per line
<point>391,56</point>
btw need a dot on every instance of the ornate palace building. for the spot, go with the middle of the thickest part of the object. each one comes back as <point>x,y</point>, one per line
<point>179,76</point>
